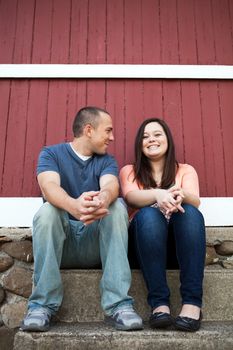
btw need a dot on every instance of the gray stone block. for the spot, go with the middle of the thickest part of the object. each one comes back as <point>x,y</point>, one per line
<point>6,261</point>
<point>21,250</point>
<point>6,338</point>
<point>13,310</point>
<point>217,235</point>
<point>18,280</point>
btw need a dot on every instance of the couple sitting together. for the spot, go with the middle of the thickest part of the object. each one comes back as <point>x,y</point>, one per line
<point>83,224</point>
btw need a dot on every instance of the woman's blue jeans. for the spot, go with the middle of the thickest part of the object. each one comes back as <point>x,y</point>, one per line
<point>156,243</point>
<point>60,242</point>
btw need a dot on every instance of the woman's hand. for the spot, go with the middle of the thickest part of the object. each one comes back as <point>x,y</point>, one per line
<point>169,201</point>
<point>179,195</point>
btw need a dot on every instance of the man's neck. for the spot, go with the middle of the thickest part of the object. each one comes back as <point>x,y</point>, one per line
<point>79,145</point>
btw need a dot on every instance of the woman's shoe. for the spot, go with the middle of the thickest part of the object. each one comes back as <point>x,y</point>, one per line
<point>188,324</point>
<point>160,320</point>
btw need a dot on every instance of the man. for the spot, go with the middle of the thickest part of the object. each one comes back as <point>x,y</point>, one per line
<point>82,224</point>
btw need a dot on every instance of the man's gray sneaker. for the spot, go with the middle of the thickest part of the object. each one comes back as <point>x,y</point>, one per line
<point>125,319</point>
<point>36,320</point>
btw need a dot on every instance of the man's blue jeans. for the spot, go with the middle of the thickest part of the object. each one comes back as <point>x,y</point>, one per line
<point>60,242</point>
<point>156,241</point>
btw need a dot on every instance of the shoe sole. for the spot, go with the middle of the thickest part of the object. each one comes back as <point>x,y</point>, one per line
<point>184,329</point>
<point>161,324</point>
<point>33,328</point>
<point>120,327</point>
<point>133,327</point>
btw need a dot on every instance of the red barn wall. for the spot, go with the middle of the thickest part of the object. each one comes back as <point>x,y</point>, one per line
<point>37,112</point>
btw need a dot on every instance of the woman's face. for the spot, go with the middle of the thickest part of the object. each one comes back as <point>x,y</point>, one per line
<point>154,143</point>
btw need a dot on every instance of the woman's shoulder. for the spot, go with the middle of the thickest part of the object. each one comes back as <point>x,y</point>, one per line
<point>126,169</point>
<point>184,167</point>
<point>127,173</point>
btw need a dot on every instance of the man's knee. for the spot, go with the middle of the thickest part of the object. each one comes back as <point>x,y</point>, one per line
<point>116,223</point>
<point>46,214</point>
<point>118,209</point>
<point>49,220</point>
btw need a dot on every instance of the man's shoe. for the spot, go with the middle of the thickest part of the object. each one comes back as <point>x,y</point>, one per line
<point>36,320</point>
<point>160,320</point>
<point>125,319</point>
<point>188,324</point>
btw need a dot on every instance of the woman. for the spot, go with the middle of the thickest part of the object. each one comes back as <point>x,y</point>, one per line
<point>167,224</point>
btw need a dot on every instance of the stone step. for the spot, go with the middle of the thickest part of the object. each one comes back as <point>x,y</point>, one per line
<point>98,336</point>
<point>82,299</point>
<point>217,235</point>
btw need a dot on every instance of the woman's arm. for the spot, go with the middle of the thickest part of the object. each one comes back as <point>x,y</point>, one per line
<point>184,196</point>
<point>191,198</point>
<point>188,186</point>
<point>164,198</point>
<point>140,198</point>
<point>131,191</point>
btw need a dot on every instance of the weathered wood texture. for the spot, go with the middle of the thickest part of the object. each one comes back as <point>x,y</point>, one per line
<point>38,112</point>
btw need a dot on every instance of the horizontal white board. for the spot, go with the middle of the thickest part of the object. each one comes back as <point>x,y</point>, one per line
<point>217,211</point>
<point>114,71</point>
<point>19,212</point>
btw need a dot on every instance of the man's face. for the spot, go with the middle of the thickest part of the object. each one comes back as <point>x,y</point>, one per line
<point>102,135</point>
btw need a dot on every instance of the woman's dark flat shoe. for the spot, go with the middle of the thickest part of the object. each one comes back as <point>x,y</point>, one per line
<point>188,324</point>
<point>160,320</point>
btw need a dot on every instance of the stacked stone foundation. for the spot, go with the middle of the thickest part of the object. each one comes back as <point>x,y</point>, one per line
<point>16,270</point>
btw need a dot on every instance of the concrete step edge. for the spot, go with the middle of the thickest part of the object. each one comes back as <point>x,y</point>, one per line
<point>212,335</point>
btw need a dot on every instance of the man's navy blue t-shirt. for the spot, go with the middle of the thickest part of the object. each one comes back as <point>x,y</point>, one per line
<point>77,176</point>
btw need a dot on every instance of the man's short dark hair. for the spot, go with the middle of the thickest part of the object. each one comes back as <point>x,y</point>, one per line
<point>86,115</point>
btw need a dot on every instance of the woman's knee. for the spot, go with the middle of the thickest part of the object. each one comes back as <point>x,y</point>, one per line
<point>193,215</point>
<point>189,225</point>
<point>149,224</point>
<point>150,217</point>
<point>191,209</point>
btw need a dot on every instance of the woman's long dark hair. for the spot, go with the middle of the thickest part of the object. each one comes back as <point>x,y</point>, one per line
<point>142,166</point>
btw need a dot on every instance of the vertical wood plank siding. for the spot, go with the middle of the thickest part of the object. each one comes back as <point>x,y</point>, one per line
<point>38,112</point>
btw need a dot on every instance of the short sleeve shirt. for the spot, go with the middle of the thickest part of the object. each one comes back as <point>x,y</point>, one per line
<point>186,178</point>
<point>76,175</point>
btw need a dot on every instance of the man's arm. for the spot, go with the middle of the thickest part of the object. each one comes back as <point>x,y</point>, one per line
<point>109,189</point>
<point>49,182</point>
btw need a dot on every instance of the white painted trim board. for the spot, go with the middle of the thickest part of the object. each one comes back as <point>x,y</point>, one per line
<point>19,212</point>
<point>112,71</point>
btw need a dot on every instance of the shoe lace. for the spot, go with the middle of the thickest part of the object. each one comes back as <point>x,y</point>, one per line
<point>39,312</point>
<point>127,311</point>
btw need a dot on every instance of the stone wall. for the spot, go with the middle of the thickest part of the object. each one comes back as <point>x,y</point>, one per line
<point>219,246</point>
<point>16,269</point>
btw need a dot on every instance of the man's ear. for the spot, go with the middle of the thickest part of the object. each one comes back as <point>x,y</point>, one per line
<point>87,130</point>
